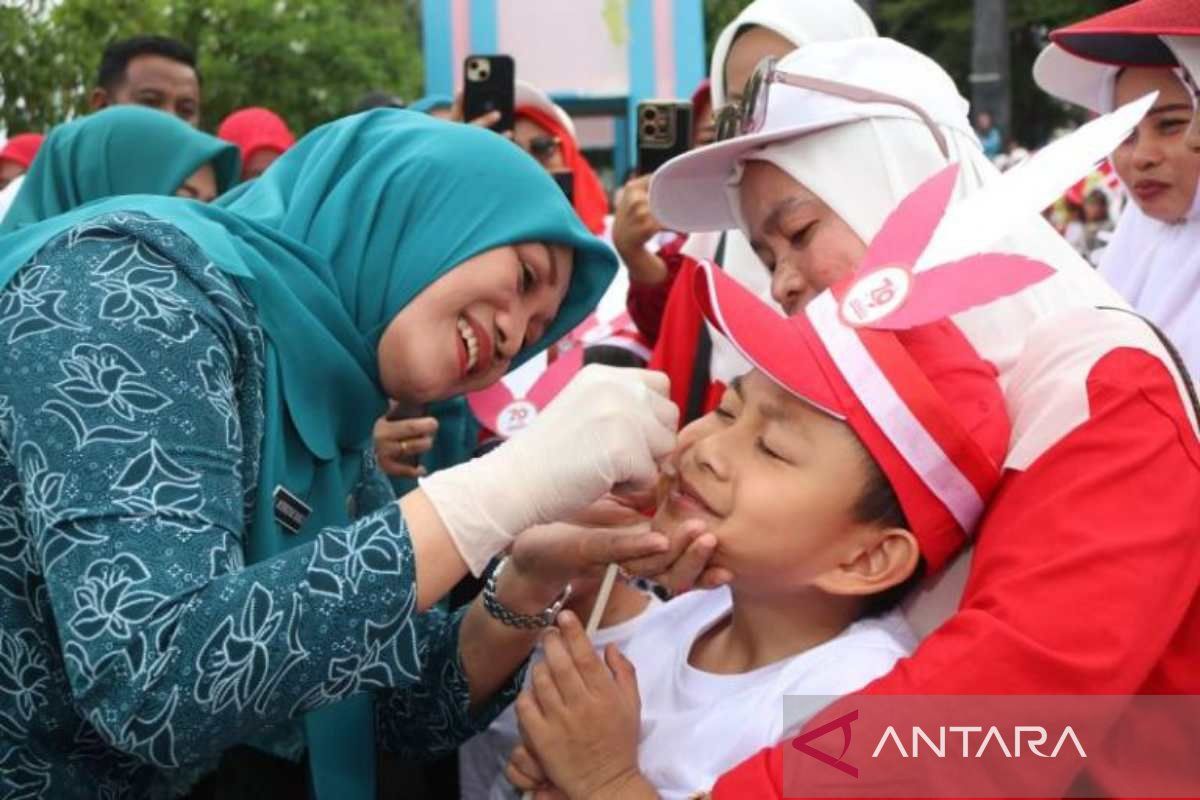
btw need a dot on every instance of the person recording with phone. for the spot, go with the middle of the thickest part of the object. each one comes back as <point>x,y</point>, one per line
<point>661,305</point>
<point>544,130</point>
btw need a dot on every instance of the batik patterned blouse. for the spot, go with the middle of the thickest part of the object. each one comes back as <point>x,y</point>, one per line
<point>134,641</point>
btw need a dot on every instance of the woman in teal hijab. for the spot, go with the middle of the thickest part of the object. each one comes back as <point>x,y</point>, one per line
<point>185,417</point>
<point>434,104</point>
<point>121,150</point>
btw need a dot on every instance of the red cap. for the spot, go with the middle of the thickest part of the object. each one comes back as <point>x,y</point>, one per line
<point>1129,35</point>
<point>253,129</point>
<point>878,351</point>
<point>22,148</point>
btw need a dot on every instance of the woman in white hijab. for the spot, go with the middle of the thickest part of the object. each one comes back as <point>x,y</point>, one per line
<point>1096,511</point>
<point>1154,257</point>
<point>764,28</point>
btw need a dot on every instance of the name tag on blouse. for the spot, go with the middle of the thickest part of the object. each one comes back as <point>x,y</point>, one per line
<point>290,511</point>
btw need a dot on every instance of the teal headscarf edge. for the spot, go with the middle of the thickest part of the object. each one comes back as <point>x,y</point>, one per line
<point>266,227</point>
<point>120,150</point>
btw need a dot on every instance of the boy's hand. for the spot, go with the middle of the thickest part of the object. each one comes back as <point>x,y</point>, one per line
<point>580,715</point>
<point>525,773</point>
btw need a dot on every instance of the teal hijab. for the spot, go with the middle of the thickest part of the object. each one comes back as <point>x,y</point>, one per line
<point>120,150</point>
<point>432,102</point>
<point>330,243</point>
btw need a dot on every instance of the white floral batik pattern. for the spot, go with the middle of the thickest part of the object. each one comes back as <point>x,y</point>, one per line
<point>134,638</point>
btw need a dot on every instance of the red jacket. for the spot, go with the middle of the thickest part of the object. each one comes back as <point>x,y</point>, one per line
<point>1085,576</point>
<point>668,316</point>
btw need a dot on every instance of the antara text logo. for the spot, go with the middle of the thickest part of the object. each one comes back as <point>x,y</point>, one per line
<point>1022,738</point>
<point>987,746</point>
<point>1032,736</point>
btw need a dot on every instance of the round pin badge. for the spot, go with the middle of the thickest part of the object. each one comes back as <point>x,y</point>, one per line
<point>872,297</point>
<point>517,415</point>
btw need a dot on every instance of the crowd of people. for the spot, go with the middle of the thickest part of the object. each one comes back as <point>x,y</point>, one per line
<point>321,457</point>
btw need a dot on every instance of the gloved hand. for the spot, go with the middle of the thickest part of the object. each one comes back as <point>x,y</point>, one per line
<point>607,429</point>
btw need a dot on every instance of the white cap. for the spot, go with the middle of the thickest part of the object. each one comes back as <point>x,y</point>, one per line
<point>801,22</point>
<point>526,94</point>
<point>688,192</point>
<point>1076,80</point>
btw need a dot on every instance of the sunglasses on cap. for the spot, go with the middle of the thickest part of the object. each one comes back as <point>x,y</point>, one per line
<point>750,114</point>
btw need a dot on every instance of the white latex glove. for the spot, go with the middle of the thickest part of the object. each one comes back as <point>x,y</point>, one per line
<point>608,428</point>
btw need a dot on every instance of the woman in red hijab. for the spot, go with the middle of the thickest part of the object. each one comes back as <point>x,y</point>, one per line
<point>260,134</point>
<point>16,156</point>
<point>548,134</point>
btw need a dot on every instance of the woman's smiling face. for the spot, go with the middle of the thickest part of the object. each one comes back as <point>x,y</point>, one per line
<point>462,332</point>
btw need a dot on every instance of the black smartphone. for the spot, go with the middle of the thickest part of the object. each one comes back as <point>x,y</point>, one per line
<point>566,181</point>
<point>664,130</point>
<point>488,85</point>
<point>407,411</point>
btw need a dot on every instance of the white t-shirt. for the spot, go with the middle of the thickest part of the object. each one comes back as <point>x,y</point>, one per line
<point>697,725</point>
<point>482,759</point>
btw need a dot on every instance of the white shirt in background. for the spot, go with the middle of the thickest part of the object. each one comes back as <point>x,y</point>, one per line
<point>697,725</point>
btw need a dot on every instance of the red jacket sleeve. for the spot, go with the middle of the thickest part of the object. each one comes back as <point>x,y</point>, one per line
<point>675,351</point>
<point>1086,570</point>
<point>648,302</point>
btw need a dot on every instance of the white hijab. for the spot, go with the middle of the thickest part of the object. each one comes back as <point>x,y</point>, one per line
<point>801,22</point>
<point>891,157</point>
<point>1156,267</point>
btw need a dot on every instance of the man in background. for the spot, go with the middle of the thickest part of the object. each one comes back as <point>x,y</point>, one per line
<point>154,71</point>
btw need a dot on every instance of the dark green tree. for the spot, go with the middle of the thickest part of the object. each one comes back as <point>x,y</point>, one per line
<point>308,60</point>
<point>942,30</point>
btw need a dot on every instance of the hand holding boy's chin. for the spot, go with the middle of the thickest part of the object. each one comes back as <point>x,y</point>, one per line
<point>688,562</point>
<point>556,554</point>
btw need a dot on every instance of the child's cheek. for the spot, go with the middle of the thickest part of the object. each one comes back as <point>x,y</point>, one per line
<point>692,433</point>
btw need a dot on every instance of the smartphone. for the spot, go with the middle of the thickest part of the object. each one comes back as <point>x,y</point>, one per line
<point>566,182</point>
<point>408,411</point>
<point>488,85</point>
<point>664,130</point>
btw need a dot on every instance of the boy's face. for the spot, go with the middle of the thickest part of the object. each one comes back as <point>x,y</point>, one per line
<point>776,482</point>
